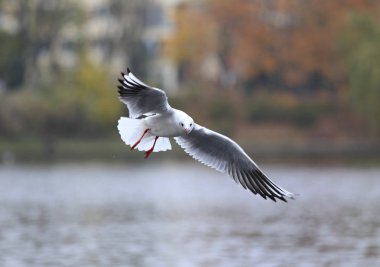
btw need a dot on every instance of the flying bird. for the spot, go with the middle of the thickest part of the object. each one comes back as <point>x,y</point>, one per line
<point>152,122</point>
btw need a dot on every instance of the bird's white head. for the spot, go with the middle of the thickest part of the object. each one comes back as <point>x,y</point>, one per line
<point>185,122</point>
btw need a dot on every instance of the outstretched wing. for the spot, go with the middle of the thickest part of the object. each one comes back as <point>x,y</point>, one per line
<point>141,98</point>
<point>223,154</point>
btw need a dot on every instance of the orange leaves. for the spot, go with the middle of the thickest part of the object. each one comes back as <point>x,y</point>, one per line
<point>289,39</point>
<point>193,36</point>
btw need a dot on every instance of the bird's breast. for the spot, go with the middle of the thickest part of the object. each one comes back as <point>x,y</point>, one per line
<point>163,126</point>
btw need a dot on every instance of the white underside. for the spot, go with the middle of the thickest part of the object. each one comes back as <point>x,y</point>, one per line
<point>131,130</point>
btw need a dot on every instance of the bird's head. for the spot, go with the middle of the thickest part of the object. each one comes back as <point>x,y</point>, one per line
<point>185,122</point>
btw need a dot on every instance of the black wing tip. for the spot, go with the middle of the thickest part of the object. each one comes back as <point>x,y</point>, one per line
<point>274,198</point>
<point>285,198</point>
<point>271,189</point>
<point>128,71</point>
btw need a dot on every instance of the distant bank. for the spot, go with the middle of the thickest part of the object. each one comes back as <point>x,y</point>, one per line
<point>113,150</point>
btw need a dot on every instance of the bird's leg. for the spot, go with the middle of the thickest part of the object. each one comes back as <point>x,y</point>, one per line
<point>147,153</point>
<point>138,141</point>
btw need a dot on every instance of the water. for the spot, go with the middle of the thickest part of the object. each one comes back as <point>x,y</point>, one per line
<point>185,215</point>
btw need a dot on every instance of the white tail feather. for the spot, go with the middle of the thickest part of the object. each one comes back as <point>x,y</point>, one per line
<point>162,144</point>
<point>131,130</point>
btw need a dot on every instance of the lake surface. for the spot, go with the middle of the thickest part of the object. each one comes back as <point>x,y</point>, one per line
<point>186,215</point>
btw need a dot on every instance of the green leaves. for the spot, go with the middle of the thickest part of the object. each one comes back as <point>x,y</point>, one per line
<point>360,48</point>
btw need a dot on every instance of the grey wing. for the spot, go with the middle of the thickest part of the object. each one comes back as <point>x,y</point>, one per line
<point>141,98</point>
<point>223,154</point>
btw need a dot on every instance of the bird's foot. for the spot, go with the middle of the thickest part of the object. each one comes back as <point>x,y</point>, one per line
<point>138,141</point>
<point>148,152</point>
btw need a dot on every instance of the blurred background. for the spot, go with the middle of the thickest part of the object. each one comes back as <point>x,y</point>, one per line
<point>296,78</point>
<point>295,82</point>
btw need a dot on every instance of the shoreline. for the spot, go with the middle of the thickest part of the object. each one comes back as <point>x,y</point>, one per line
<point>112,150</point>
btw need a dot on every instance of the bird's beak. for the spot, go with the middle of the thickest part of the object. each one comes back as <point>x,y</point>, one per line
<point>186,131</point>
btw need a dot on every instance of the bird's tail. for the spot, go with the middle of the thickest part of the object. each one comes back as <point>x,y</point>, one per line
<point>131,131</point>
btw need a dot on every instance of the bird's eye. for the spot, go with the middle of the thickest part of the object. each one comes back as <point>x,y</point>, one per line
<point>191,124</point>
<point>181,124</point>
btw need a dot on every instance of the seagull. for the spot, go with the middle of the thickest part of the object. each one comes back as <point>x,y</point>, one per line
<point>152,122</point>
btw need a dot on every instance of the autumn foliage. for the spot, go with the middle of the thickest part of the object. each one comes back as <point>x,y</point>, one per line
<point>299,67</point>
<point>290,46</point>
<point>285,43</point>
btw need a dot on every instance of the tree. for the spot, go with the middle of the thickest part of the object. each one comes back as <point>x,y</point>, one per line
<point>360,48</point>
<point>40,24</point>
<point>94,92</point>
<point>283,45</point>
<point>12,65</point>
<point>190,43</point>
<point>131,17</point>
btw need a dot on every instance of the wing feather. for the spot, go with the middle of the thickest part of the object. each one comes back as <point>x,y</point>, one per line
<point>141,98</point>
<point>223,154</point>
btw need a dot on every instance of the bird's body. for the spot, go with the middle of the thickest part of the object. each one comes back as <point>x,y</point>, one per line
<point>166,124</point>
<point>152,121</point>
